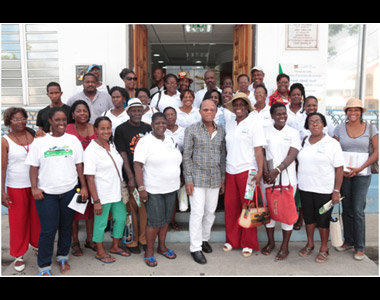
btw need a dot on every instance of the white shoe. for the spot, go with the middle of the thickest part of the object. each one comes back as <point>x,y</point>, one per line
<point>247,252</point>
<point>358,256</point>
<point>21,267</point>
<point>227,247</point>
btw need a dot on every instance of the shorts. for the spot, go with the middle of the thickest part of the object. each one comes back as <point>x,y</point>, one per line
<point>159,208</point>
<point>311,203</point>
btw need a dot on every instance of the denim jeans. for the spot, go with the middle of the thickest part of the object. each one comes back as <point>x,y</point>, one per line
<point>354,190</point>
<point>54,216</point>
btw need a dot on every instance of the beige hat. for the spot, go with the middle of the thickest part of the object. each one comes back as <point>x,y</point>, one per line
<point>242,96</point>
<point>134,102</point>
<point>354,102</point>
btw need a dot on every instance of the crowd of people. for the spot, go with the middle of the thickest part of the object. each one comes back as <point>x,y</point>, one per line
<point>126,152</point>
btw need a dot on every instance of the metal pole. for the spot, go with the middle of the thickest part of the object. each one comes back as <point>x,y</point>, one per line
<point>363,65</point>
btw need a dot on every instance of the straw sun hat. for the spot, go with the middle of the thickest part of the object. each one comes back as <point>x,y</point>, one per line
<point>354,102</point>
<point>242,96</point>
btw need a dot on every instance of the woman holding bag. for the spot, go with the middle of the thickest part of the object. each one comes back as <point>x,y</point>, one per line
<point>283,144</point>
<point>102,167</point>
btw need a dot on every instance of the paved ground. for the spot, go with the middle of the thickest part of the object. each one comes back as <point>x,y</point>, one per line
<point>219,262</point>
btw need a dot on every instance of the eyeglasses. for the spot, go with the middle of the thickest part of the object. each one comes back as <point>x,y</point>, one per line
<point>172,82</point>
<point>315,122</point>
<point>131,78</point>
<point>19,120</point>
<point>283,82</point>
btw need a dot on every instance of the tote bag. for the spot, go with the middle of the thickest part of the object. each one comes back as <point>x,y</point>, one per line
<point>281,203</point>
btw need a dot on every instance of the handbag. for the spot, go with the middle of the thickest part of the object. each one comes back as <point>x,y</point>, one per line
<point>252,215</point>
<point>375,165</point>
<point>281,203</point>
<point>183,203</point>
<point>336,231</point>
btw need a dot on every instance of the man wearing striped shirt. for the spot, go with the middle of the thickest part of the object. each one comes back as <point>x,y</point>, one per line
<point>204,164</point>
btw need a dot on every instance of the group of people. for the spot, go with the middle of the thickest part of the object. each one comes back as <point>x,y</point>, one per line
<point>127,151</point>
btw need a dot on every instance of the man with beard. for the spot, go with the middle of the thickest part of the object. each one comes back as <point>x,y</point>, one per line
<point>97,101</point>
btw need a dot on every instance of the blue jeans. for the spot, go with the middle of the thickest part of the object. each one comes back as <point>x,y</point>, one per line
<point>54,215</point>
<point>354,190</point>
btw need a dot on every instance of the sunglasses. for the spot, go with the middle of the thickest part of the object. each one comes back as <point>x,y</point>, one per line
<point>131,78</point>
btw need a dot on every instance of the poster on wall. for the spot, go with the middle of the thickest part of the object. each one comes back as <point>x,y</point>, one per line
<point>82,69</point>
<point>301,37</point>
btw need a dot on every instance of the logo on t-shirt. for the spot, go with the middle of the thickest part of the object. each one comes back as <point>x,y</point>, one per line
<point>58,151</point>
<point>135,139</point>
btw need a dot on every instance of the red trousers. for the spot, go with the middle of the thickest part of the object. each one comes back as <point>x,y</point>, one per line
<point>24,223</point>
<point>237,236</point>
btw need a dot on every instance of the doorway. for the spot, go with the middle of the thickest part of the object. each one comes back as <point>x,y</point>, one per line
<point>194,48</point>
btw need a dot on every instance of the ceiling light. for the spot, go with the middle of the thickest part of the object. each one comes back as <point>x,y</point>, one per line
<point>198,61</point>
<point>156,54</point>
<point>160,61</point>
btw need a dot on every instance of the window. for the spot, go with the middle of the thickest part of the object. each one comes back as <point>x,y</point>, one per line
<point>29,62</point>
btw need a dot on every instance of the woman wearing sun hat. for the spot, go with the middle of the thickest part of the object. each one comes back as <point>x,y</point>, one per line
<point>244,140</point>
<point>355,136</point>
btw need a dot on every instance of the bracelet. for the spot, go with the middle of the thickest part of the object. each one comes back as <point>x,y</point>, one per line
<point>141,188</point>
<point>96,201</point>
<point>279,171</point>
<point>337,191</point>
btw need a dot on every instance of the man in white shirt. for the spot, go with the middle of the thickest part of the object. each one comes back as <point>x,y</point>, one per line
<point>210,81</point>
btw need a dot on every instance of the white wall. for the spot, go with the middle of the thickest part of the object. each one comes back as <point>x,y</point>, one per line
<point>306,65</point>
<point>92,43</point>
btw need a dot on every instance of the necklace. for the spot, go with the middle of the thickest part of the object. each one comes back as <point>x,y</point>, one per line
<point>26,146</point>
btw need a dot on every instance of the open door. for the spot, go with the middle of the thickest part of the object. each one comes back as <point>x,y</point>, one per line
<point>242,52</point>
<point>140,54</point>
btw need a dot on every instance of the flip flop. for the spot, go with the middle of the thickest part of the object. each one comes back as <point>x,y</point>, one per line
<point>103,259</point>
<point>63,263</point>
<point>150,261</point>
<point>121,253</point>
<point>169,254</point>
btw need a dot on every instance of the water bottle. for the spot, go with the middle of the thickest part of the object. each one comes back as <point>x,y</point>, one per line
<point>251,185</point>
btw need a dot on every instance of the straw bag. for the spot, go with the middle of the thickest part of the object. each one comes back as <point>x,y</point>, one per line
<point>252,215</point>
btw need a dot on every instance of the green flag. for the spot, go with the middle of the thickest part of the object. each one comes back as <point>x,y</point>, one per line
<point>279,69</point>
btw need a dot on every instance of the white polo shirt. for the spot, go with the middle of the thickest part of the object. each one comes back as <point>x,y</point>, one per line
<point>166,101</point>
<point>162,160</point>
<point>277,149</point>
<point>186,119</point>
<point>240,141</point>
<point>264,116</point>
<point>317,163</point>
<point>98,163</point>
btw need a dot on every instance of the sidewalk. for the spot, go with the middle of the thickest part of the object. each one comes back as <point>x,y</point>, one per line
<point>219,263</point>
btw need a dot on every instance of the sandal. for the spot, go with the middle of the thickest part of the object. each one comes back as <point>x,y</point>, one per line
<point>322,256</point>
<point>267,250</point>
<point>169,254</point>
<point>227,247</point>
<point>150,261</point>
<point>122,252</point>
<point>21,266</point>
<point>91,245</point>
<point>64,266</point>
<point>282,255</point>
<point>305,251</point>
<point>76,250</point>
<point>44,273</point>
<point>247,252</point>
<point>174,226</point>
<point>107,259</point>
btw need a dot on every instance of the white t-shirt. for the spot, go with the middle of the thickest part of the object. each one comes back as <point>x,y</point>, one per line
<point>178,136</point>
<point>277,149</point>
<point>299,124</point>
<point>98,163</point>
<point>240,141</point>
<point>166,101</point>
<point>56,158</point>
<point>317,163</point>
<point>162,160</point>
<point>186,119</point>
<point>116,120</point>
<point>264,116</point>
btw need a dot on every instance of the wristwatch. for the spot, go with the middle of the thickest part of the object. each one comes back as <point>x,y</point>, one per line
<point>337,191</point>
<point>141,188</point>
<point>96,201</point>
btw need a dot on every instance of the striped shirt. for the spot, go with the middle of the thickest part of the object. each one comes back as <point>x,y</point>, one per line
<point>204,156</point>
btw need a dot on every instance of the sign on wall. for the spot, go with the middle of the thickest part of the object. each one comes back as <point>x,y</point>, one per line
<point>301,37</point>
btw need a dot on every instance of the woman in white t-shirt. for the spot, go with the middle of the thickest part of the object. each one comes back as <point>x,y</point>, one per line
<point>283,144</point>
<point>55,164</point>
<point>117,114</point>
<point>23,219</point>
<point>320,176</point>
<point>157,162</point>
<point>244,140</point>
<point>187,114</point>
<point>102,167</point>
